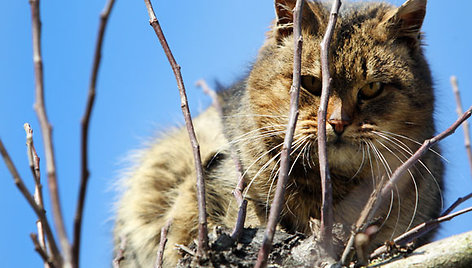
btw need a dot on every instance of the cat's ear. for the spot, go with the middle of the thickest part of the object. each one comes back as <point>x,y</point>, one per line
<point>283,25</point>
<point>283,18</point>
<point>406,21</point>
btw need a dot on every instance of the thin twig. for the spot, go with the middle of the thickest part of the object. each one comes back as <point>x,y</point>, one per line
<point>42,240</point>
<point>425,227</point>
<point>459,201</point>
<point>237,192</point>
<point>41,252</point>
<point>121,253</point>
<point>327,197</point>
<point>202,217</point>
<point>372,207</point>
<point>55,255</point>
<point>278,201</point>
<point>212,94</point>
<point>162,244</point>
<point>186,249</point>
<point>427,144</point>
<point>239,226</point>
<point>46,130</point>
<point>84,133</point>
<point>418,231</point>
<point>33,160</point>
<point>465,125</point>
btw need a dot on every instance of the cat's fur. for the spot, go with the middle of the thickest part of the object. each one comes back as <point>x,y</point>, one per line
<point>380,108</point>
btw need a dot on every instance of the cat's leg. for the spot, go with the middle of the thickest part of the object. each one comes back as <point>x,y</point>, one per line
<point>141,220</point>
<point>184,217</point>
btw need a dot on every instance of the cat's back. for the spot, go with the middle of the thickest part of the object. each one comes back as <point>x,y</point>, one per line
<point>164,172</point>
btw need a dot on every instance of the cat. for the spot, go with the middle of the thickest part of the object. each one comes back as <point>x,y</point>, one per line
<point>380,109</point>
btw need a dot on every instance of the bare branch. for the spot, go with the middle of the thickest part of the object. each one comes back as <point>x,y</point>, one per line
<point>55,255</point>
<point>419,230</point>
<point>33,160</point>
<point>46,130</point>
<point>327,197</point>
<point>41,252</point>
<point>202,224</point>
<point>278,202</point>
<point>465,125</point>
<point>42,241</point>
<point>237,192</point>
<point>84,134</point>
<point>162,244</point>
<point>239,226</point>
<point>453,251</point>
<point>425,227</point>
<point>375,201</point>
<point>212,94</point>
<point>459,201</point>
<point>427,144</point>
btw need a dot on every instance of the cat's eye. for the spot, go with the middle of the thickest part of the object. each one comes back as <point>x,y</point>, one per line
<point>311,84</point>
<point>370,91</point>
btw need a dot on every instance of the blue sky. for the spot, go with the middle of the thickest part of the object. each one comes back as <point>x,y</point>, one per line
<point>137,96</point>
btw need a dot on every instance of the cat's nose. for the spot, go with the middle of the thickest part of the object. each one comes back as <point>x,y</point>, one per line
<point>339,120</point>
<point>338,125</point>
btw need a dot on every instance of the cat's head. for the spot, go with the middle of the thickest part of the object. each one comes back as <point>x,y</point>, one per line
<point>381,94</point>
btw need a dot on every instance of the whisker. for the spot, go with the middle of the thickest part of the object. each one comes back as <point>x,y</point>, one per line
<point>272,177</point>
<point>379,157</point>
<point>271,129</point>
<point>385,163</point>
<point>302,143</point>
<point>412,179</point>
<point>254,162</point>
<point>410,153</point>
<point>256,115</point>
<point>370,163</point>
<point>362,163</point>
<point>414,141</point>
<point>297,144</point>
<point>307,153</point>
<point>251,138</point>
<point>257,137</point>
<point>265,165</point>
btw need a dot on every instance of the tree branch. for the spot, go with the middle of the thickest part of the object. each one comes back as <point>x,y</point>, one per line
<point>459,201</point>
<point>55,254</point>
<point>419,231</point>
<point>327,197</point>
<point>84,133</point>
<point>41,251</point>
<point>453,251</point>
<point>162,244</point>
<point>237,192</point>
<point>425,227</point>
<point>33,160</point>
<point>427,144</point>
<point>202,222</point>
<point>212,94</point>
<point>465,125</point>
<point>278,202</point>
<point>374,203</point>
<point>46,130</point>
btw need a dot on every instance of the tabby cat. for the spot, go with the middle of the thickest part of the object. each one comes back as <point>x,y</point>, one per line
<point>380,110</point>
